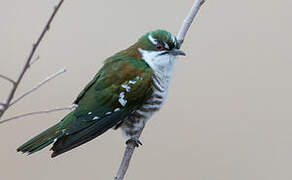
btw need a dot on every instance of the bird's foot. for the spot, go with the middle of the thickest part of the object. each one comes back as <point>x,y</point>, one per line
<point>136,141</point>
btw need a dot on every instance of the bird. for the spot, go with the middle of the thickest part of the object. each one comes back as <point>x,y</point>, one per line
<point>127,90</point>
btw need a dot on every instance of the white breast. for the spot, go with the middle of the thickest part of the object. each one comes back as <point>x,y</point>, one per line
<point>162,66</point>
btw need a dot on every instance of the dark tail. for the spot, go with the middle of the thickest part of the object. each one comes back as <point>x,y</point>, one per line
<point>68,142</point>
<point>42,140</point>
<point>66,135</point>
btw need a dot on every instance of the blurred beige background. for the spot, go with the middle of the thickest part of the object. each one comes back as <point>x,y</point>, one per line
<point>228,113</point>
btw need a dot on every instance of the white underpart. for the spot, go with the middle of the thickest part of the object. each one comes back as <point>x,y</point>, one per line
<point>122,101</point>
<point>162,66</point>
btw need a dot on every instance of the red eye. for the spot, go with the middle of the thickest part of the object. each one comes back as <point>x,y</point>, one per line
<point>159,47</point>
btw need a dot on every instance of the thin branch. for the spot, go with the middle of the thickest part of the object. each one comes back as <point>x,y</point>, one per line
<point>2,106</point>
<point>46,80</point>
<point>181,35</point>
<point>34,60</point>
<point>127,158</point>
<point>38,112</point>
<point>31,54</point>
<point>189,19</point>
<point>8,79</point>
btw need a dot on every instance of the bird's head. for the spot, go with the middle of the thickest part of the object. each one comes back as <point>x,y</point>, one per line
<point>160,42</point>
<point>159,49</point>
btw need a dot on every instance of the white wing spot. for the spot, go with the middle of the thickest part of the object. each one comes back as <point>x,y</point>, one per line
<point>89,113</point>
<point>139,78</point>
<point>95,118</point>
<point>125,86</point>
<point>117,109</point>
<point>108,113</point>
<point>132,82</point>
<point>122,101</point>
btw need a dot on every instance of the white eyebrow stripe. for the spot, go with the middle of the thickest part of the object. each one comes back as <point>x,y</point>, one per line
<point>173,39</point>
<point>166,45</point>
<point>154,41</point>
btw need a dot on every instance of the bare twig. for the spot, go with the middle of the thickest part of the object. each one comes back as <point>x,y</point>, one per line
<point>34,60</point>
<point>127,158</point>
<point>181,35</point>
<point>38,112</point>
<point>28,61</point>
<point>38,86</point>
<point>8,79</point>
<point>2,105</point>
<point>189,19</point>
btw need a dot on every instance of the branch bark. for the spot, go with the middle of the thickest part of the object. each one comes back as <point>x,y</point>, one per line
<point>189,19</point>
<point>130,147</point>
<point>47,79</point>
<point>28,61</point>
<point>7,79</point>
<point>35,60</point>
<point>69,108</point>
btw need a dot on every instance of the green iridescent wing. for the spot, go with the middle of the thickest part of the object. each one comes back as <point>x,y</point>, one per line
<point>119,88</point>
<point>87,87</point>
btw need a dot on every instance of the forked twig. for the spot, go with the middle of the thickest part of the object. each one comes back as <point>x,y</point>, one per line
<point>131,145</point>
<point>34,60</point>
<point>8,79</point>
<point>28,61</point>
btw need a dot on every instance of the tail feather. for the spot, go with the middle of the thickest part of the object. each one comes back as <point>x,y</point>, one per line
<point>42,140</point>
<point>68,142</point>
<point>69,133</point>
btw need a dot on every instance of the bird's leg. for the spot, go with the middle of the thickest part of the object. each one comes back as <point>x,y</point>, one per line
<point>134,140</point>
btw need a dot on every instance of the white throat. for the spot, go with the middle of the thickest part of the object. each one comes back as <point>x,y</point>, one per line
<point>162,65</point>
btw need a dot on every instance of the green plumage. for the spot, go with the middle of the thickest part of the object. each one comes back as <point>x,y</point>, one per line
<point>117,94</point>
<point>102,104</point>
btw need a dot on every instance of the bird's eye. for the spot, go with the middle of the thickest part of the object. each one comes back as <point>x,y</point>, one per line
<point>159,47</point>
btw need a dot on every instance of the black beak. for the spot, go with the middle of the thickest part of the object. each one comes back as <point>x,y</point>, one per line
<point>176,52</point>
